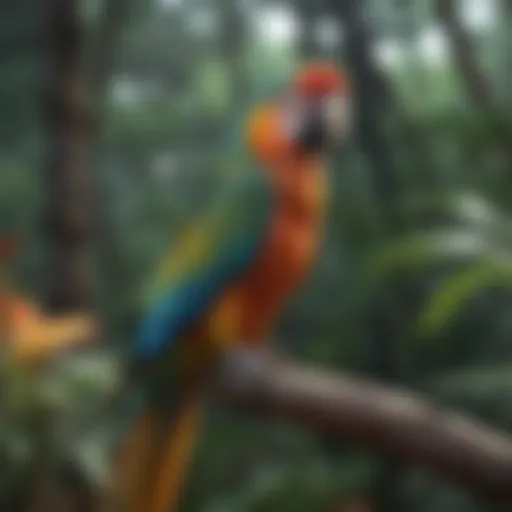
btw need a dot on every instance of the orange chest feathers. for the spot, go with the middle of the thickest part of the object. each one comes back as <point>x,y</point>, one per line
<point>298,183</point>
<point>249,308</point>
<point>296,224</point>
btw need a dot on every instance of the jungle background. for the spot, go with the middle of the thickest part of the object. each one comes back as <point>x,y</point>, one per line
<point>415,279</point>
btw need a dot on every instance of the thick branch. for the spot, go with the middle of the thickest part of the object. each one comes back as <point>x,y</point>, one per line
<point>381,419</point>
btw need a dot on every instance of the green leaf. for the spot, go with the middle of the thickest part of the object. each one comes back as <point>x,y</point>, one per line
<point>475,209</point>
<point>454,292</point>
<point>426,248</point>
<point>467,207</point>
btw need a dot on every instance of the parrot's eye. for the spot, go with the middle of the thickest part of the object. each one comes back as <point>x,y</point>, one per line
<point>303,123</point>
<point>314,122</point>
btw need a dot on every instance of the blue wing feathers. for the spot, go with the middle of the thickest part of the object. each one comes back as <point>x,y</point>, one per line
<point>235,228</point>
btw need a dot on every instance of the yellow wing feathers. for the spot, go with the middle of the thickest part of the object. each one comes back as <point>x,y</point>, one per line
<point>193,250</point>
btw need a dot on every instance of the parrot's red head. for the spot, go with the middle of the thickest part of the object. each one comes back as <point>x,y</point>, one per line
<point>311,114</point>
<point>319,79</point>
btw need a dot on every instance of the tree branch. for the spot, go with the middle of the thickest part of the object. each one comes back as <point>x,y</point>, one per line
<point>385,420</point>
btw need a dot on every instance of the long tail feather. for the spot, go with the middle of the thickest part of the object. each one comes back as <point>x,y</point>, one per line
<point>133,464</point>
<point>155,458</point>
<point>173,461</point>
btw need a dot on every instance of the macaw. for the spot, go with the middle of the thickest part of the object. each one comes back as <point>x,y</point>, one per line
<point>27,333</point>
<point>227,278</point>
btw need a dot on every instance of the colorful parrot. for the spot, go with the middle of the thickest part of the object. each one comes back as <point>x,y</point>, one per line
<point>227,278</point>
<point>28,334</point>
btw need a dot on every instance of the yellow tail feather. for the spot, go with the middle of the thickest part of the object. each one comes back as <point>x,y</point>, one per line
<point>155,458</point>
<point>133,464</point>
<point>170,472</point>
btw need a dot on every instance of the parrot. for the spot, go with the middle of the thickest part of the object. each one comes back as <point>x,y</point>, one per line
<point>227,278</point>
<point>29,335</point>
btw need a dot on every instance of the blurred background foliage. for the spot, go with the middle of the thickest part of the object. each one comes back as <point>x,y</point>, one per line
<point>414,283</point>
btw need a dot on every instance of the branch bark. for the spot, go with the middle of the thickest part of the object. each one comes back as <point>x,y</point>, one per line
<point>385,420</point>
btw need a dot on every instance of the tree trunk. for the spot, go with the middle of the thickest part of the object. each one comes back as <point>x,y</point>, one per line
<point>232,49</point>
<point>308,46</point>
<point>68,222</point>
<point>70,204</point>
<point>369,114</point>
<point>477,87</point>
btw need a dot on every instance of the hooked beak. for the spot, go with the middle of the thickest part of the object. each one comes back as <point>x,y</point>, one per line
<point>324,125</point>
<point>313,135</point>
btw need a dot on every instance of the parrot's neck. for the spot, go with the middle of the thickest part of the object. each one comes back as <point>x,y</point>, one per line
<point>293,177</point>
<point>297,179</point>
<point>275,152</point>
<point>290,244</point>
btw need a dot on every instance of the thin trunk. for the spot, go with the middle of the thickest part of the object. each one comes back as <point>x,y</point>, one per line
<point>369,113</point>
<point>232,49</point>
<point>409,135</point>
<point>68,222</point>
<point>70,204</point>
<point>505,10</point>
<point>476,85</point>
<point>369,103</point>
<point>308,47</point>
<point>113,15</point>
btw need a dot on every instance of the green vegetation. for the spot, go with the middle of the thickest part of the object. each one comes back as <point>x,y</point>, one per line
<point>167,113</point>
